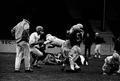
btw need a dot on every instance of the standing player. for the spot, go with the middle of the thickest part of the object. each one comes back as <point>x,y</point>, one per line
<point>21,33</point>
<point>98,42</point>
<point>87,40</point>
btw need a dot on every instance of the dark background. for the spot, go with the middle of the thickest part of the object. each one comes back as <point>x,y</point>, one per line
<point>57,15</point>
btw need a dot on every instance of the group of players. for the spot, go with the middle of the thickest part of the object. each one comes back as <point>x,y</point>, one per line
<point>27,45</point>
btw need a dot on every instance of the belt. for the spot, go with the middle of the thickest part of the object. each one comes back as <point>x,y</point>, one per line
<point>18,40</point>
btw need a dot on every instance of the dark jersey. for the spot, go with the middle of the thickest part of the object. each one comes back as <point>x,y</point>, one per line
<point>25,36</point>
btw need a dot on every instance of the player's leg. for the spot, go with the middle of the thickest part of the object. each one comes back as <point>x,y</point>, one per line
<point>89,51</point>
<point>27,58</point>
<point>106,69</point>
<point>42,49</point>
<point>85,51</point>
<point>71,64</point>
<point>82,58</point>
<point>118,69</point>
<point>86,56</point>
<point>34,57</point>
<point>19,52</point>
<point>38,54</point>
<point>77,68</point>
<point>36,51</point>
<point>99,51</point>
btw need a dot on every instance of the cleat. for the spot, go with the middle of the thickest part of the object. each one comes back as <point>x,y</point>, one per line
<point>36,66</point>
<point>99,56</point>
<point>86,63</point>
<point>79,69</point>
<point>29,71</point>
<point>104,73</point>
<point>63,68</point>
<point>95,56</point>
<point>71,71</point>
<point>114,74</point>
<point>17,71</point>
<point>118,71</point>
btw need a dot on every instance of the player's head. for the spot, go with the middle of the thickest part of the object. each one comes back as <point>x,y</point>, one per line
<point>80,25</point>
<point>26,25</point>
<point>39,30</point>
<point>115,55</point>
<point>96,33</point>
<point>49,37</point>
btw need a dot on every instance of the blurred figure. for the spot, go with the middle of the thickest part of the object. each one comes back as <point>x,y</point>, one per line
<point>21,33</point>
<point>117,44</point>
<point>98,41</point>
<point>111,65</point>
<point>87,41</point>
<point>117,47</point>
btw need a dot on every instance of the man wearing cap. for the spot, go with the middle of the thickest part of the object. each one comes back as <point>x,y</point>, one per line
<point>21,33</point>
<point>34,42</point>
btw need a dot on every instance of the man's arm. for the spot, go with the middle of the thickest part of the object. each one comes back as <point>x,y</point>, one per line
<point>47,42</point>
<point>13,31</point>
<point>36,43</point>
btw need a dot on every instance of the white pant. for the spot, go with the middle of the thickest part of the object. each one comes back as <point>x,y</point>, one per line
<point>22,52</point>
<point>73,65</point>
<point>36,51</point>
<point>97,48</point>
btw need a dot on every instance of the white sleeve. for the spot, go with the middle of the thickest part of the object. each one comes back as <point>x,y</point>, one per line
<point>105,60</point>
<point>13,29</point>
<point>49,39</point>
<point>32,39</point>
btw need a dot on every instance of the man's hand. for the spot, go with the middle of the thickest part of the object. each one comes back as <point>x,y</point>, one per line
<point>40,42</point>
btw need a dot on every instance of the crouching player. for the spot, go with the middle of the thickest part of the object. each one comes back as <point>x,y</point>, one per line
<point>111,65</point>
<point>34,42</point>
<point>52,42</point>
<point>75,58</point>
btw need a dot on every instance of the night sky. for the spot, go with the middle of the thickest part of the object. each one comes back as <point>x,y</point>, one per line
<point>55,14</point>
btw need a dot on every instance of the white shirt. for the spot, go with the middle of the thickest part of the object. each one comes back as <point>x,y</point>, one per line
<point>54,40</point>
<point>34,37</point>
<point>19,28</point>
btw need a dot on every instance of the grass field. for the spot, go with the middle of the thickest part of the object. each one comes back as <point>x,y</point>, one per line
<point>92,72</point>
